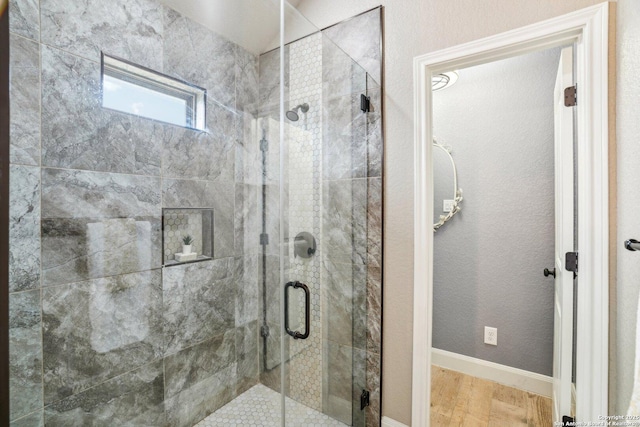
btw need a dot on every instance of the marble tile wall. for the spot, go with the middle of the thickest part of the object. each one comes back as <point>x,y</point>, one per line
<point>360,37</point>
<point>113,324</point>
<point>133,398</point>
<point>25,99</point>
<point>100,334</point>
<point>200,302</point>
<point>25,334</point>
<point>24,232</point>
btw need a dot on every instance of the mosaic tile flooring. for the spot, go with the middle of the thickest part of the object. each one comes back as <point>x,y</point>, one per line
<point>260,406</point>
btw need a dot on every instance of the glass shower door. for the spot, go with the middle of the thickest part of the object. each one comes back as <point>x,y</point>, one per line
<point>325,240</point>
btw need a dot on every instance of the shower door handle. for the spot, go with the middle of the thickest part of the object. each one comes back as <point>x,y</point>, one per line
<point>307,308</point>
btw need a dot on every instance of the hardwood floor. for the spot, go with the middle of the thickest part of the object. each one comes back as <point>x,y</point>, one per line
<point>461,400</point>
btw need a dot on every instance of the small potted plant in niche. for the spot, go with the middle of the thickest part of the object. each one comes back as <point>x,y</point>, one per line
<point>187,241</point>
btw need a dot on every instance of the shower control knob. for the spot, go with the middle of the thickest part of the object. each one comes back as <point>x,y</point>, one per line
<point>548,272</point>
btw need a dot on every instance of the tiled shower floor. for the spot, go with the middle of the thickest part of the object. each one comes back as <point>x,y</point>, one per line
<point>260,406</point>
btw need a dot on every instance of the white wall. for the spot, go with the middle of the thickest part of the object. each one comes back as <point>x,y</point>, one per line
<point>414,27</point>
<point>628,139</point>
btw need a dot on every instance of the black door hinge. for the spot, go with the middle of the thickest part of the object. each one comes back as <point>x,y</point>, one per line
<point>571,262</point>
<point>571,96</point>
<point>264,239</point>
<point>264,331</point>
<point>568,421</point>
<point>264,144</point>
<point>365,103</point>
<point>364,399</point>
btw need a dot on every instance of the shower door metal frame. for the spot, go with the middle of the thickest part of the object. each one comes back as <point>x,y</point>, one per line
<point>281,210</point>
<point>4,212</point>
<point>588,29</point>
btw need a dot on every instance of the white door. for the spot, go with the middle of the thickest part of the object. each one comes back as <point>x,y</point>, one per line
<point>564,195</point>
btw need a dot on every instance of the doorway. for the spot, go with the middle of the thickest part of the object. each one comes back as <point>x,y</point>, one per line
<point>494,274</point>
<point>588,30</point>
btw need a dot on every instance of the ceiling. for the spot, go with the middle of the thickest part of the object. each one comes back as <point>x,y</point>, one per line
<point>252,24</point>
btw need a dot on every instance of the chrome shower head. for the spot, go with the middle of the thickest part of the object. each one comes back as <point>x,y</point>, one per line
<point>293,113</point>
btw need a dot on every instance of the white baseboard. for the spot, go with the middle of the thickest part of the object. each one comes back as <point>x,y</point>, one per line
<point>512,377</point>
<point>388,422</point>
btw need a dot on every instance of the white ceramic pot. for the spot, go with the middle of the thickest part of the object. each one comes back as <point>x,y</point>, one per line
<point>186,249</point>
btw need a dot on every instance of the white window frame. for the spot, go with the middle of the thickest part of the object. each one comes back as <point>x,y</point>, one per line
<point>194,96</point>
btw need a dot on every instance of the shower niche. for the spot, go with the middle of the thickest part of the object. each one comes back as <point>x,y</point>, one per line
<point>187,235</point>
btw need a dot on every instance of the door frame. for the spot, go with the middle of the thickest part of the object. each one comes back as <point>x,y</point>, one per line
<point>588,29</point>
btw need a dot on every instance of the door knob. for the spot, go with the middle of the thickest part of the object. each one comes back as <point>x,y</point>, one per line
<point>548,272</point>
<point>632,245</point>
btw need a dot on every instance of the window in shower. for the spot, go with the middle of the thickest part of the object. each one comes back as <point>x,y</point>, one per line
<point>137,90</point>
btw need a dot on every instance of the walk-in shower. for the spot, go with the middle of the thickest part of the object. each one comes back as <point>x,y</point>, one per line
<point>170,222</point>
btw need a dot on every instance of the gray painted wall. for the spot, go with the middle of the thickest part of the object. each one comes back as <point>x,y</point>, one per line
<point>488,260</point>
